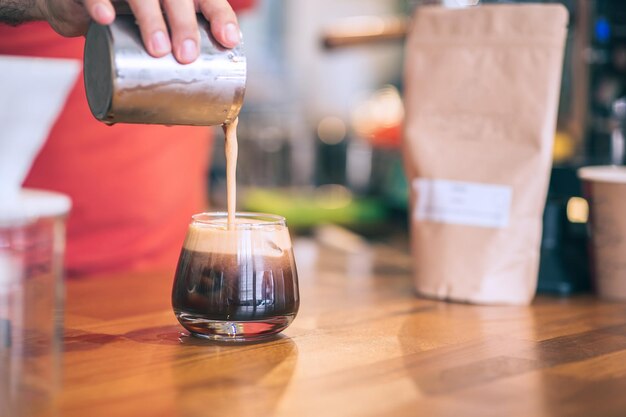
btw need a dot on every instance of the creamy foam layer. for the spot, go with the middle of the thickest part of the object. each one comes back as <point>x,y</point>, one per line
<point>614,174</point>
<point>247,236</point>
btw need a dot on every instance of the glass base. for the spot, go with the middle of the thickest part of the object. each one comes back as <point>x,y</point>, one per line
<point>234,331</point>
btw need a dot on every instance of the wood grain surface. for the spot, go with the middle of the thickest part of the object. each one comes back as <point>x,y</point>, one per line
<point>362,345</point>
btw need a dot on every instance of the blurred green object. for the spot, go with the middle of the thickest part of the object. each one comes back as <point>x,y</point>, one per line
<point>396,190</point>
<point>308,207</point>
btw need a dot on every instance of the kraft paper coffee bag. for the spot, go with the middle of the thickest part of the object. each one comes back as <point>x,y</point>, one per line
<point>482,87</point>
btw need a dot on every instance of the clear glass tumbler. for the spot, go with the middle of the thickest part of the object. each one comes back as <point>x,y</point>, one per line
<point>237,284</point>
<point>32,246</point>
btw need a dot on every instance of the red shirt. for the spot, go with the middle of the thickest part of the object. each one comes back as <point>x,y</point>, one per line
<point>133,187</point>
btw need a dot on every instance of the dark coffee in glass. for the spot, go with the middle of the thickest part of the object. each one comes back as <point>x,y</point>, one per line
<point>236,283</point>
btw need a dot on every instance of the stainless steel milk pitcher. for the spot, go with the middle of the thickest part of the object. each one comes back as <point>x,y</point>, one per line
<point>126,85</point>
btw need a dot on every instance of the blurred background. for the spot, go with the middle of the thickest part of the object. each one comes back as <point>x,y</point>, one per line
<point>320,131</point>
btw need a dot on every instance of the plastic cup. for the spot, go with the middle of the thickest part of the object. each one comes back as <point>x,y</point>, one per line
<point>32,246</point>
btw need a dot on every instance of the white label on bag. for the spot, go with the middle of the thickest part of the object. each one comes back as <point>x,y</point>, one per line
<point>460,202</point>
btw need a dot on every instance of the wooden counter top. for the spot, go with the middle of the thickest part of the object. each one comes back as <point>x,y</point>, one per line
<point>362,345</point>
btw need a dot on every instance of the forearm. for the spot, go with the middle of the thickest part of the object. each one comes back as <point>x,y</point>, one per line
<point>14,12</point>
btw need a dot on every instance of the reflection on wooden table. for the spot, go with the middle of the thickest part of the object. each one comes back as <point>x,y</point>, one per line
<point>362,345</point>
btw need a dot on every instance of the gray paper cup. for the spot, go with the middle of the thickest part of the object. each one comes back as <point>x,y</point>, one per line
<point>605,189</point>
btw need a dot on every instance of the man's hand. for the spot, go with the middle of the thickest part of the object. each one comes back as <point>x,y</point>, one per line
<point>71,18</point>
